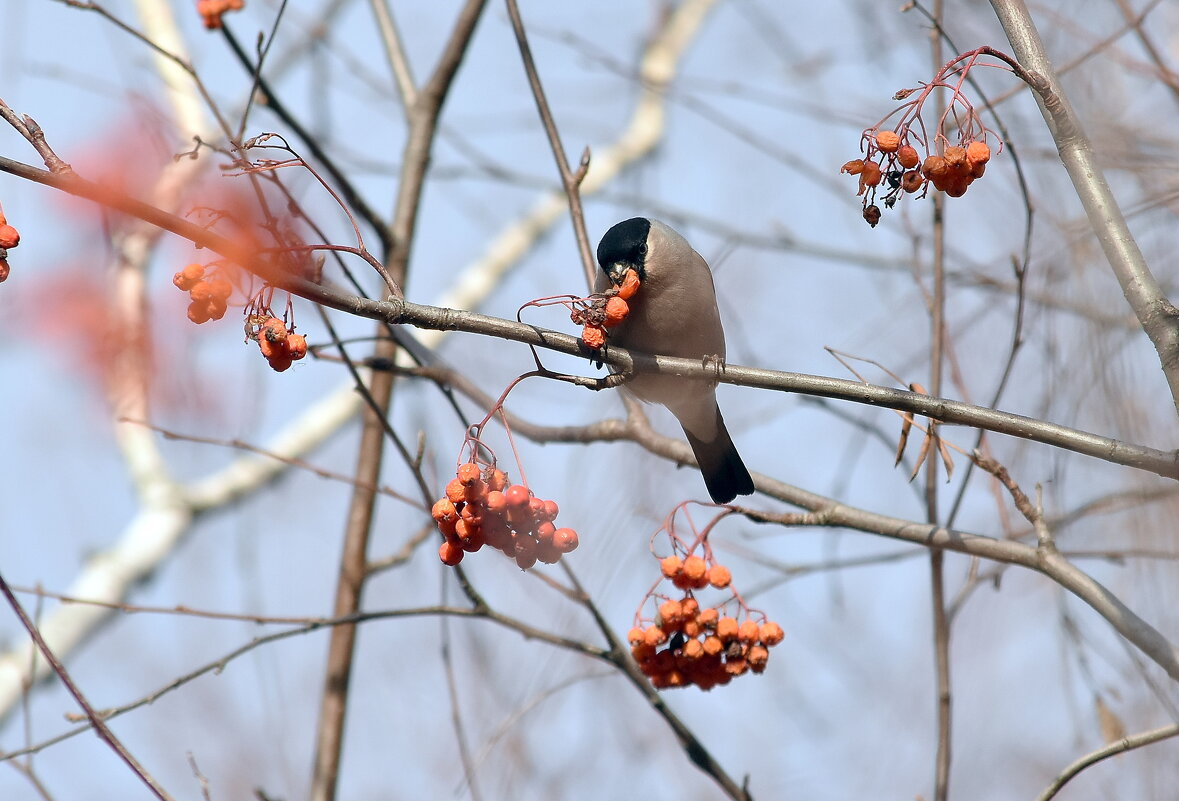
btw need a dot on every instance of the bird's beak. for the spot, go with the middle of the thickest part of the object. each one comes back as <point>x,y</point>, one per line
<point>616,272</point>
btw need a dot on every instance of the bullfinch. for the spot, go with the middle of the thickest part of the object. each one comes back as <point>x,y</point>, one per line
<point>674,313</point>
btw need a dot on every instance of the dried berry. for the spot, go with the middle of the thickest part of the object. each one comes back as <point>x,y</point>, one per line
<point>888,141</point>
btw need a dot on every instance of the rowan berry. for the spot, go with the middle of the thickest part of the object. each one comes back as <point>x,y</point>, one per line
<point>713,645</point>
<point>495,502</point>
<point>719,576</point>
<point>470,539</point>
<point>517,495</point>
<point>497,481</point>
<point>186,278</point>
<point>654,636</point>
<point>957,186</point>
<point>735,667</point>
<point>747,632</point>
<point>550,510</point>
<point>908,157</point>
<point>911,181</point>
<point>695,570</point>
<point>870,176</point>
<point>888,141</point>
<point>770,633</point>
<point>708,617</point>
<point>202,291</point>
<point>629,285</point>
<point>496,532</point>
<point>472,513</point>
<point>955,155</point>
<point>642,652</point>
<point>220,288</point>
<point>670,613</point>
<point>978,153</point>
<point>468,473</point>
<point>565,540</point>
<point>616,311</point>
<point>451,553</point>
<point>671,566</point>
<point>9,236</point>
<point>634,636</point>
<point>443,509</point>
<point>757,657</point>
<point>447,526</point>
<point>455,490</point>
<point>547,553</point>
<point>526,549</point>
<point>726,629</point>
<point>198,312</point>
<point>593,336</point>
<point>269,349</point>
<point>296,346</point>
<point>934,167</point>
<point>5,270</point>
<point>693,649</point>
<point>853,167</point>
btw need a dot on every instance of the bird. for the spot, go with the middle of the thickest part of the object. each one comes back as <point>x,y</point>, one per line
<point>674,313</point>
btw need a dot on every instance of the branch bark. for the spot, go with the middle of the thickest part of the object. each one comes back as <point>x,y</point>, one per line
<point>1155,312</point>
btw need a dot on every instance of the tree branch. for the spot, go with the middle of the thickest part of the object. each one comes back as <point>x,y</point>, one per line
<point>1157,315</point>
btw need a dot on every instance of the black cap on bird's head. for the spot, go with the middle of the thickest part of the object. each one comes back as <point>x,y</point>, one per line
<point>624,247</point>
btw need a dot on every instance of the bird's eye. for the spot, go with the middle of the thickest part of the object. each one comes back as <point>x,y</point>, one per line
<point>643,249</point>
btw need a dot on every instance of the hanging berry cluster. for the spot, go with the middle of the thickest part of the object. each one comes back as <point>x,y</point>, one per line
<point>208,292</point>
<point>598,312</point>
<point>686,644</point>
<point>481,508</point>
<point>9,238</point>
<point>905,159</point>
<point>279,346</point>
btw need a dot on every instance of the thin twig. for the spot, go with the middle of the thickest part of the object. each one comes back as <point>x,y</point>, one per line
<point>570,179</point>
<point>314,624</point>
<point>101,729</point>
<point>1118,747</point>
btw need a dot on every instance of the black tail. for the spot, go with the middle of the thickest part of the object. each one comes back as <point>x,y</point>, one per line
<point>724,473</point>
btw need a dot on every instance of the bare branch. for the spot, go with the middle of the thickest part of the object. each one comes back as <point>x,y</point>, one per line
<point>1157,315</point>
<point>101,729</point>
<point>1113,749</point>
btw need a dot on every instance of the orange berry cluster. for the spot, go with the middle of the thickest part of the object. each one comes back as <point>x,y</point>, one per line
<point>957,167</point>
<point>895,163</point>
<point>9,238</point>
<point>279,346</point>
<point>687,645</point>
<point>209,295</point>
<point>605,311</point>
<point>211,10</point>
<point>481,508</point>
